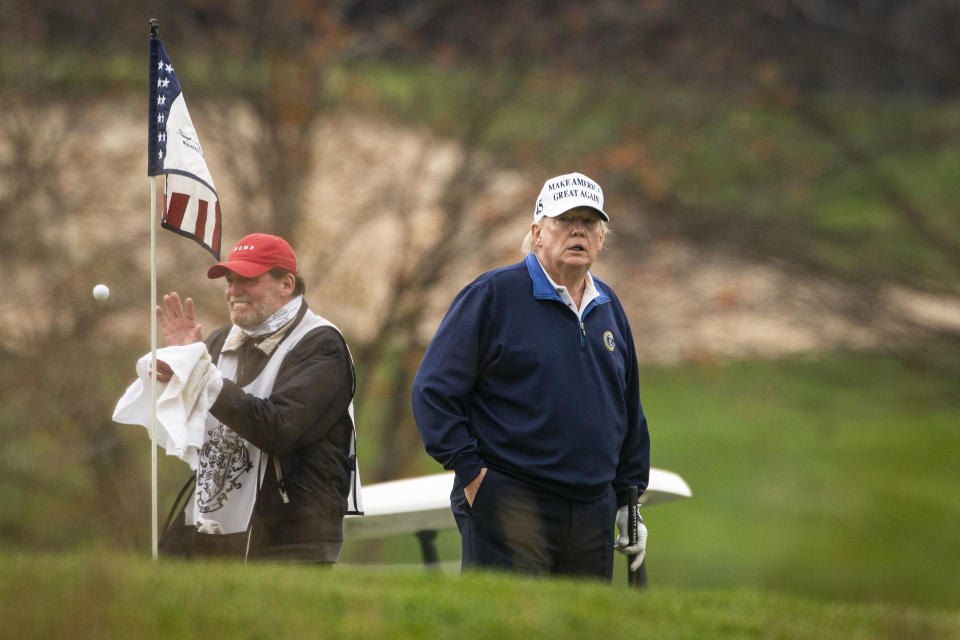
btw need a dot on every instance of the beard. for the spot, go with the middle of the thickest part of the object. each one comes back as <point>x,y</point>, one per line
<point>247,314</point>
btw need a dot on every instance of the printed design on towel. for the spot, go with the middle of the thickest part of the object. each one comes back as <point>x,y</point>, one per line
<point>224,460</point>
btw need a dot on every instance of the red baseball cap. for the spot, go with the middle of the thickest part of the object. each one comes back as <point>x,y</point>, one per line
<point>256,254</point>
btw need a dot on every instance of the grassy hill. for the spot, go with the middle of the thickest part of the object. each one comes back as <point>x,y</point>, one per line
<point>122,596</point>
<point>828,476</point>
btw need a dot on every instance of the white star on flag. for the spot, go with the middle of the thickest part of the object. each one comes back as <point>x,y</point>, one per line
<point>191,205</point>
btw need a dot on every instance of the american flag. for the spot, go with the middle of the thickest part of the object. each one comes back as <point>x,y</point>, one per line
<point>190,204</point>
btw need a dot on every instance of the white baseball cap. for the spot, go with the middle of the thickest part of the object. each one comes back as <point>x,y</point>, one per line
<point>569,191</point>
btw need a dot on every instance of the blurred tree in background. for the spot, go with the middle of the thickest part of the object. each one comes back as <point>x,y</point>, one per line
<point>738,129</point>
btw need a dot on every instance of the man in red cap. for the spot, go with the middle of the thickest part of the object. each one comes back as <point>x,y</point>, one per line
<point>277,469</point>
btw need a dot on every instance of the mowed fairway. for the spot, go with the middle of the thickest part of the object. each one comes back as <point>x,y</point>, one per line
<point>123,596</point>
<point>828,476</point>
<point>824,506</point>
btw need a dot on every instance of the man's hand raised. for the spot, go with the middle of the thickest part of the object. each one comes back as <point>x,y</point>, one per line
<point>177,321</point>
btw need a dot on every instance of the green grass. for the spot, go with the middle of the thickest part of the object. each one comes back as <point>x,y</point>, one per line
<point>830,476</point>
<point>80,596</point>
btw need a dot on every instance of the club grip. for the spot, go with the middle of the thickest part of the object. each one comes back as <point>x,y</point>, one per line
<point>632,497</point>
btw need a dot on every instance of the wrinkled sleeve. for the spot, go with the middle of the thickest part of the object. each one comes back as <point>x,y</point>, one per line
<point>444,382</point>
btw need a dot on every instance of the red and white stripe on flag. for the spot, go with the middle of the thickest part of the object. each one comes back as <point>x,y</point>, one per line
<point>192,209</point>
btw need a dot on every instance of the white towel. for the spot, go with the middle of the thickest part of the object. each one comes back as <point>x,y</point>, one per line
<point>182,403</point>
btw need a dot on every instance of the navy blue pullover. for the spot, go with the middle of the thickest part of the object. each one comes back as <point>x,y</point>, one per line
<point>513,381</point>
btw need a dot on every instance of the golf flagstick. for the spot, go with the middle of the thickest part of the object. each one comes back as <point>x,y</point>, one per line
<point>187,182</point>
<point>153,366</point>
<point>632,532</point>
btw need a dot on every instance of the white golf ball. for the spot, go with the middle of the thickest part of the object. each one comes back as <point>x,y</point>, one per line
<point>101,292</point>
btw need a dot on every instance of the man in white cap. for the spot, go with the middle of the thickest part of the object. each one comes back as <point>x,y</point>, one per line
<point>277,469</point>
<point>529,392</point>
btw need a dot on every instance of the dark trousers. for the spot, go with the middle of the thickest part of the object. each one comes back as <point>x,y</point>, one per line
<point>517,526</point>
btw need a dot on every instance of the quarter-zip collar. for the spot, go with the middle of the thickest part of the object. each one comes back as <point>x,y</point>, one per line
<point>545,289</point>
